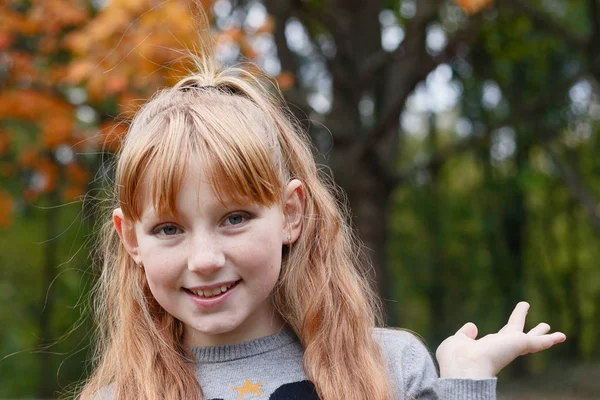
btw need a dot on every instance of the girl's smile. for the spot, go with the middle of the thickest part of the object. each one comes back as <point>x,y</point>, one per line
<point>209,296</point>
<point>209,292</point>
<point>211,264</point>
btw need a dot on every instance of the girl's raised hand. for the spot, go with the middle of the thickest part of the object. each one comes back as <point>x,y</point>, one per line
<point>462,356</point>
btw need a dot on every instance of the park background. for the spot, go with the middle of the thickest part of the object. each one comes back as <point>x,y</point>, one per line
<point>465,134</point>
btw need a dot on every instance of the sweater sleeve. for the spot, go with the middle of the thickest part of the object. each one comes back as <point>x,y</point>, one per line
<point>105,393</point>
<point>414,375</point>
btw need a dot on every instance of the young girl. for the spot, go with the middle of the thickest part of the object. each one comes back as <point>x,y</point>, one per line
<point>230,271</point>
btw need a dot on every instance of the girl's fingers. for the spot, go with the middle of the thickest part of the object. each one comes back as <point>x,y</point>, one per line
<point>557,337</point>
<point>543,342</point>
<point>540,329</point>
<point>469,330</point>
<point>516,321</point>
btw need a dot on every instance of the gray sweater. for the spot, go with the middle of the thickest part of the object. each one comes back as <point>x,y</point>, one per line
<point>271,368</point>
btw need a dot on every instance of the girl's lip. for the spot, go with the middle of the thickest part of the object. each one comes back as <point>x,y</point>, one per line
<point>214,300</point>
<point>210,287</point>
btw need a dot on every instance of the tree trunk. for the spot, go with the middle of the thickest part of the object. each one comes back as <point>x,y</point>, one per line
<point>439,282</point>
<point>368,194</point>
<point>514,229</point>
<point>369,201</point>
<point>571,280</point>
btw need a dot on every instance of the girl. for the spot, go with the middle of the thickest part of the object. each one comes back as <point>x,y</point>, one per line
<point>230,271</point>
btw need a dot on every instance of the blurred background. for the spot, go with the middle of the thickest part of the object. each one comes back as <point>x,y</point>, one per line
<point>466,134</point>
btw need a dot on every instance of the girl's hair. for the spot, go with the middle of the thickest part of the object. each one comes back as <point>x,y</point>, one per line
<point>250,146</point>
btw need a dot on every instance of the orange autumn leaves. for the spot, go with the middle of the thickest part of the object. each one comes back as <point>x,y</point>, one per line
<point>52,115</point>
<point>116,55</point>
<point>50,46</point>
<point>473,6</point>
<point>6,208</point>
<point>43,21</point>
<point>6,201</point>
<point>54,123</point>
<point>31,97</point>
<point>131,47</point>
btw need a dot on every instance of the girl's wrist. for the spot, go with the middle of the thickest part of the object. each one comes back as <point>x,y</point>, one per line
<point>466,371</point>
<point>466,374</point>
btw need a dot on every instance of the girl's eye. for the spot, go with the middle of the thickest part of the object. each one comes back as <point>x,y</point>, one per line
<point>236,219</point>
<point>167,230</point>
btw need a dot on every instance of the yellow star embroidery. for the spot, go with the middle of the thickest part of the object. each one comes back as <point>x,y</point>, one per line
<point>249,388</point>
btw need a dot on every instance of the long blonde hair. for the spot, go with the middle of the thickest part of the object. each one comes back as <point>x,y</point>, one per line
<point>251,146</point>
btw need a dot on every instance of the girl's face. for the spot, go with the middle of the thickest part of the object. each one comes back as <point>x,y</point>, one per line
<point>215,265</point>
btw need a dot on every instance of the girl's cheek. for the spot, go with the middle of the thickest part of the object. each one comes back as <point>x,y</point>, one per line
<point>162,263</point>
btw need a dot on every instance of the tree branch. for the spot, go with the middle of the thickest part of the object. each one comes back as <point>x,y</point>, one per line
<point>593,53</point>
<point>310,15</point>
<point>280,11</point>
<point>382,59</point>
<point>390,119</point>
<point>307,11</point>
<point>373,65</point>
<point>439,158</point>
<point>519,115</point>
<point>548,23</point>
<point>577,187</point>
<point>594,22</point>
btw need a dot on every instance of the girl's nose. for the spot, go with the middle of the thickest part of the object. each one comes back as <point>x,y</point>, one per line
<point>206,255</point>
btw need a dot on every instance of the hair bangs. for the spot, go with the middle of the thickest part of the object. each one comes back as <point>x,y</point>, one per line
<point>153,170</point>
<point>241,160</point>
<point>230,146</point>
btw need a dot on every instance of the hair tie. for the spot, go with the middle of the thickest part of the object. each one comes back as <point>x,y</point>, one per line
<point>227,89</point>
<point>195,86</point>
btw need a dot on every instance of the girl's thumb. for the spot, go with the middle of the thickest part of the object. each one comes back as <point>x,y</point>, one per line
<point>469,330</point>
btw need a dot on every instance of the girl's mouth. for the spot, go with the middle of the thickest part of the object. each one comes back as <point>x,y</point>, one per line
<point>214,292</point>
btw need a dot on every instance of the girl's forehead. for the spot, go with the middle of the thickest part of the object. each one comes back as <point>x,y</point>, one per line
<point>158,191</point>
<point>193,190</point>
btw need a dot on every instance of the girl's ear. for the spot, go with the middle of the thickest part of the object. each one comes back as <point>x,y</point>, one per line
<point>126,231</point>
<point>293,210</point>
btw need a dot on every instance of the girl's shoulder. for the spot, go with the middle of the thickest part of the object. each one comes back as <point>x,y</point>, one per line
<point>408,360</point>
<point>399,341</point>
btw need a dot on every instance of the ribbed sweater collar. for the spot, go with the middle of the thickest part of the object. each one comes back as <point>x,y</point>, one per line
<point>232,352</point>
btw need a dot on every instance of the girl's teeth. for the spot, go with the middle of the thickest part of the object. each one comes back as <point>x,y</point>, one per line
<point>213,292</point>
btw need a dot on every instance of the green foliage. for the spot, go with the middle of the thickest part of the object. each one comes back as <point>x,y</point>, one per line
<point>23,297</point>
<point>506,229</point>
